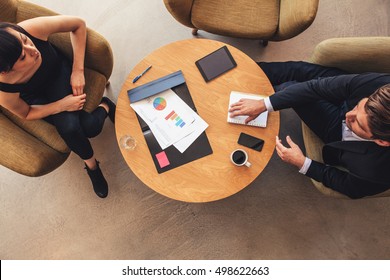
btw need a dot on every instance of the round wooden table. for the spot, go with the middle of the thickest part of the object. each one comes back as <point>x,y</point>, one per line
<point>212,177</point>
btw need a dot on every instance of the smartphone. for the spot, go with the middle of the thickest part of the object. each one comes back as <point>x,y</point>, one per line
<point>216,63</point>
<point>250,141</point>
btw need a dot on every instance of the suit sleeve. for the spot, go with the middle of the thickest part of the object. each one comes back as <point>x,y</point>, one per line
<point>350,88</point>
<point>343,182</point>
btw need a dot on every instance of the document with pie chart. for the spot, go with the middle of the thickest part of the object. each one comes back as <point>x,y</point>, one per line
<point>170,119</point>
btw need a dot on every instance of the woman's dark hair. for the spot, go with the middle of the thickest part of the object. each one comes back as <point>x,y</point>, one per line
<point>10,46</point>
<point>378,112</point>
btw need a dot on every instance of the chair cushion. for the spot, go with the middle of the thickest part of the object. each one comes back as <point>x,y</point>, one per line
<point>240,18</point>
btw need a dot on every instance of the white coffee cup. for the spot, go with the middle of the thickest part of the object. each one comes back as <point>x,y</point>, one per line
<point>240,158</point>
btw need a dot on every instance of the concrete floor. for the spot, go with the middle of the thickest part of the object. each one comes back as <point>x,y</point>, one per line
<point>279,216</point>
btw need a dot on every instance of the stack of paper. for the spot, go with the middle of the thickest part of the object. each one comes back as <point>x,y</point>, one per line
<point>170,119</point>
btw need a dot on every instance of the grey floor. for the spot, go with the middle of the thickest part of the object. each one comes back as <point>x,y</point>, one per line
<point>279,216</point>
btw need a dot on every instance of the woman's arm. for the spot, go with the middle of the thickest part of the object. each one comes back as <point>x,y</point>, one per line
<point>43,27</point>
<point>16,105</point>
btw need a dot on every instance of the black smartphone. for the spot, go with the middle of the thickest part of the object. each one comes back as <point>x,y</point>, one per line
<point>216,63</point>
<point>250,141</point>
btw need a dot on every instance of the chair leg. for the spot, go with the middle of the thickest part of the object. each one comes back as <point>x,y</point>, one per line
<point>264,43</point>
<point>195,31</point>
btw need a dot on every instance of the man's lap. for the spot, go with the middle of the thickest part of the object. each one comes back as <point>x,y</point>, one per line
<point>324,118</point>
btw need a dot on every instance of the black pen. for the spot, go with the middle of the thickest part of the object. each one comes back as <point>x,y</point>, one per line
<point>140,75</point>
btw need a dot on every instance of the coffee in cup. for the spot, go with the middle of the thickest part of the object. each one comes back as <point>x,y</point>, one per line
<point>239,158</point>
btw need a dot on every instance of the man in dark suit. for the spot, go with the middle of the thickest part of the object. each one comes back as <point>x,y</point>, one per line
<point>349,112</point>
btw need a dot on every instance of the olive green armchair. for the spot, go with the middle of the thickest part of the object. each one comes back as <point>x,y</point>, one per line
<point>267,20</point>
<point>355,55</point>
<point>35,148</point>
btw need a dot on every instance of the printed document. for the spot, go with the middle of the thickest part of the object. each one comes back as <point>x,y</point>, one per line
<point>170,119</point>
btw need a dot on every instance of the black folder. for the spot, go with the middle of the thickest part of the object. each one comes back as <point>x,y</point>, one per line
<point>198,149</point>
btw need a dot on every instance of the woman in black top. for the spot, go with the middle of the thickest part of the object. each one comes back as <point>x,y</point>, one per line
<point>38,82</point>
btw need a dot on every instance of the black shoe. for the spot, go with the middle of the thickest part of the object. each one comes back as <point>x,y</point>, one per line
<point>100,185</point>
<point>112,107</point>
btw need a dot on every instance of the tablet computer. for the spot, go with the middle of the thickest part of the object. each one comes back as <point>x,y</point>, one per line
<point>215,63</point>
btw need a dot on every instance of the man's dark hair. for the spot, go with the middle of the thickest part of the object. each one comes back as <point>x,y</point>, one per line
<point>10,46</point>
<point>378,112</point>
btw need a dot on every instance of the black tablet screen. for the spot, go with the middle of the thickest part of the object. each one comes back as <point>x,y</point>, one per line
<point>216,63</point>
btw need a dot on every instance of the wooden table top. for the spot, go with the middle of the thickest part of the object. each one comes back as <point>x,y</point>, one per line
<point>212,177</point>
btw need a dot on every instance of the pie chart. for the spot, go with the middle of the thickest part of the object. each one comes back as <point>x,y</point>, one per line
<point>159,103</point>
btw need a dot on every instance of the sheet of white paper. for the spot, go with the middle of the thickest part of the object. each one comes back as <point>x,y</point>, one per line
<point>169,118</point>
<point>163,139</point>
<point>200,125</point>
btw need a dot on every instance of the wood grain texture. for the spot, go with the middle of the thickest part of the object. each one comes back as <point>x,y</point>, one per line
<point>212,177</point>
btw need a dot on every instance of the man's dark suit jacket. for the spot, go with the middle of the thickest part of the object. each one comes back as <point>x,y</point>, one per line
<point>367,164</point>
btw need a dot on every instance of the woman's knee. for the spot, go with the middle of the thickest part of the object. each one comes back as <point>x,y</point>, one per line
<point>90,125</point>
<point>92,131</point>
<point>67,123</point>
<point>69,129</point>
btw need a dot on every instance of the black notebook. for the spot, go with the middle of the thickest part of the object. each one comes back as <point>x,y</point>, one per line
<point>169,158</point>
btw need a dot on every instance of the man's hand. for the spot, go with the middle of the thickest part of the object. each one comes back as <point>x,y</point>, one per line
<point>292,155</point>
<point>247,107</point>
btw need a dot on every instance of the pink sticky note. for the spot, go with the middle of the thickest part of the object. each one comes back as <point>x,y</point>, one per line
<point>162,159</point>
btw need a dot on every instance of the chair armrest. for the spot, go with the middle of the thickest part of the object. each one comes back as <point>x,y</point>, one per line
<point>39,129</point>
<point>8,10</point>
<point>313,147</point>
<point>27,10</point>
<point>295,17</point>
<point>25,154</point>
<point>180,10</point>
<point>98,53</point>
<point>355,55</point>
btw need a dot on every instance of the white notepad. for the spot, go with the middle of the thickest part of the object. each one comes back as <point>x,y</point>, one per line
<point>260,121</point>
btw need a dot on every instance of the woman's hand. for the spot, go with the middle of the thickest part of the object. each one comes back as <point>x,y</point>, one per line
<point>72,102</point>
<point>292,155</point>
<point>77,81</point>
<point>247,107</point>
